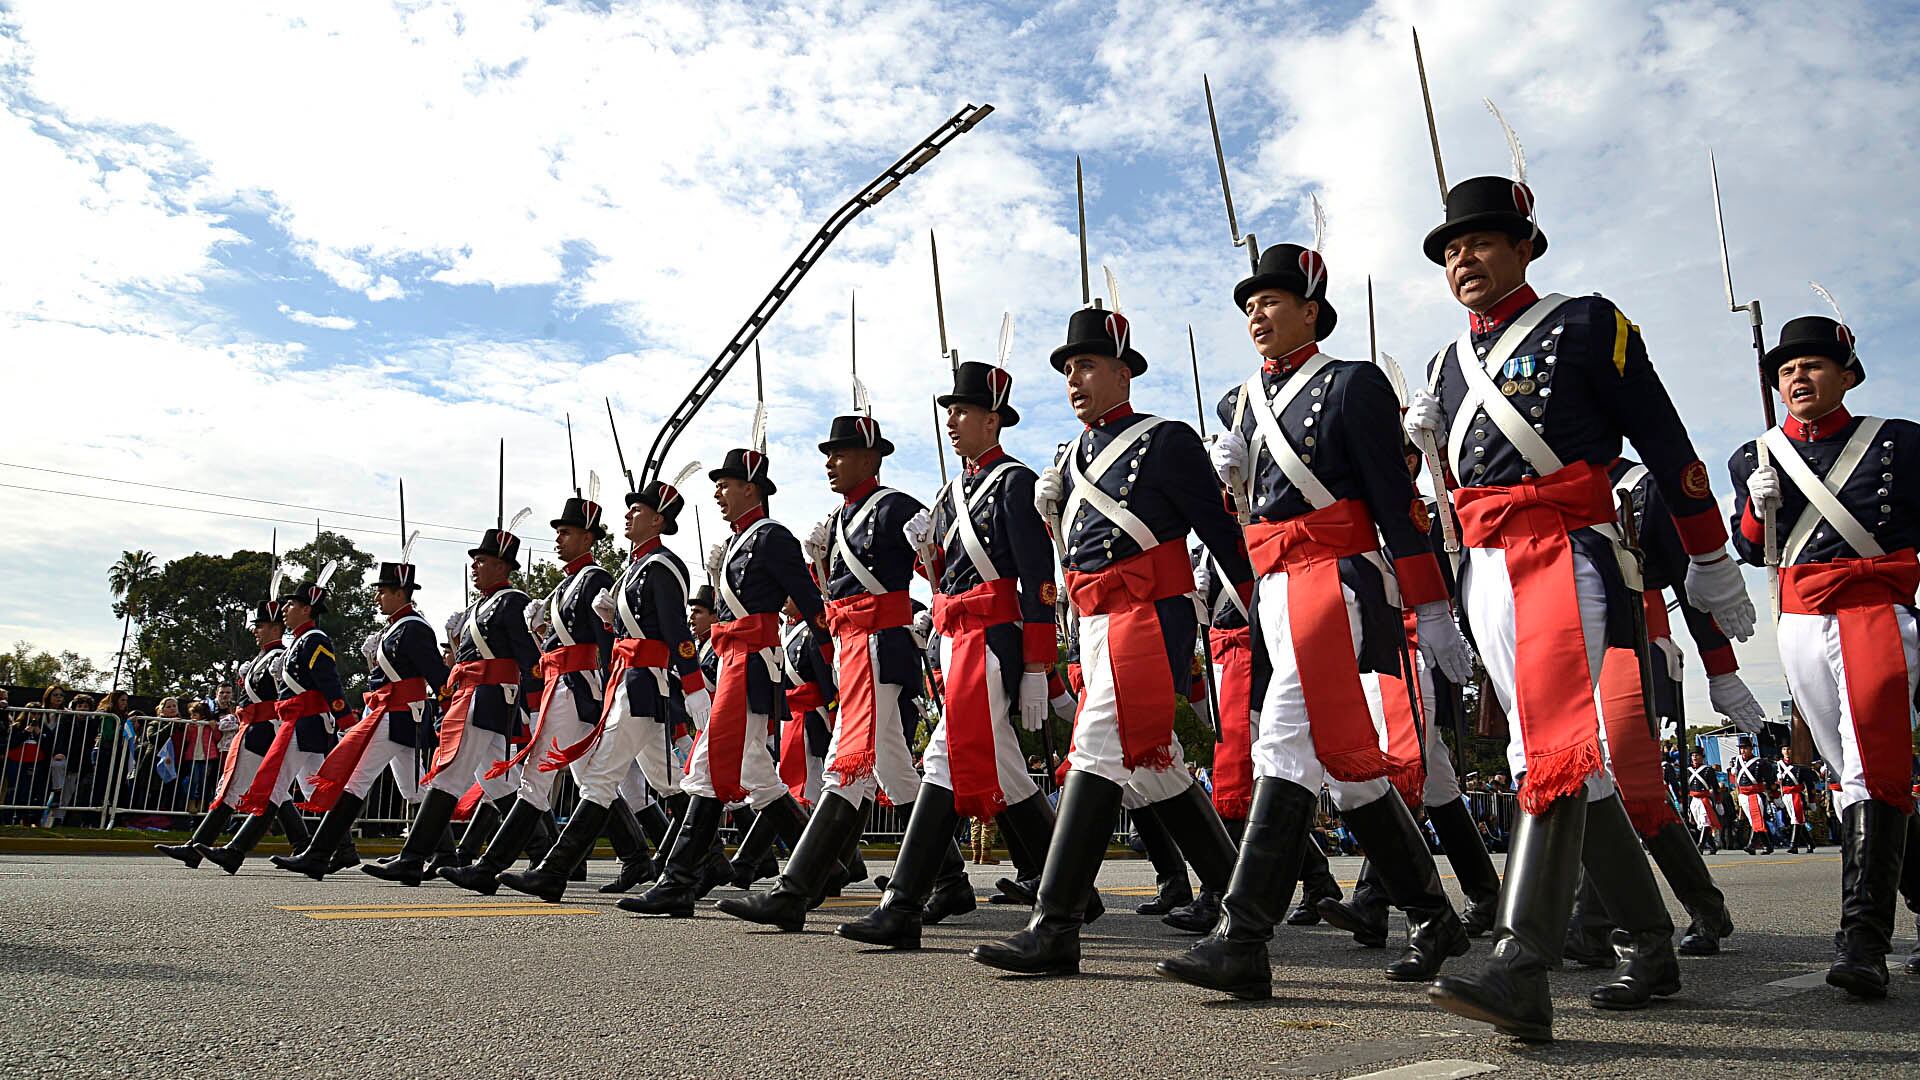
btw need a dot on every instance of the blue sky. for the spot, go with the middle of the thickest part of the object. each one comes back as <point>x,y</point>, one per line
<point>421,229</point>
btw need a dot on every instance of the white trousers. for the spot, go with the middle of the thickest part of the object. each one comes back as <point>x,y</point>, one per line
<point>1697,812</point>
<point>1487,594</point>
<point>1096,730</point>
<point>244,771</point>
<point>630,744</point>
<point>1443,784</point>
<point>564,727</point>
<point>1810,654</point>
<point>757,773</point>
<point>383,752</point>
<point>479,749</point>
<point>1011,767</point>
<point>1283,748</point>
<point>297,767</point>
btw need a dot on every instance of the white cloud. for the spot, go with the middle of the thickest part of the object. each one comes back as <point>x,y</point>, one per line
<point>324,322</point>
<point>691,149</point>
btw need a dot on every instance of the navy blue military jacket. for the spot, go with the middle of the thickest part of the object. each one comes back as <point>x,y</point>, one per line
<point>1664,566</point>
<point>308,664</point>
<point>571,605</point>
<point>1888,507</point>
<point>998,493</point>
<point>258,681</point>
<point>1165,480</point>
<point>764,569</point>
<point>874,522</point>
<point>410,647</point>
<point>1583,381</point>
<point>1742,772</point>
<point>806,664</point>
<point>501,619</point>
<point>1701,778</point>
<point>1345,426</point>
<point>653,586</point>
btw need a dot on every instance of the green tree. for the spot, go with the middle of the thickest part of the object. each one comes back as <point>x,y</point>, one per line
<point>197,611</point>
<point>23,665</point>
<point>123,577</point>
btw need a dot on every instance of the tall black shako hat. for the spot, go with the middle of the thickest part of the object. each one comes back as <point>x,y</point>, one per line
<point>398,575</point>
<point>984,385</point>
<point>746,465</point>
<point>582,514</point>
<point>703,597</point>
<point>503,543</point>
<point>1099,332</point>
<point>855,433</point>
<point>1487,202</point>
<point>267,611</point>
<point>663,499</point>
<point>1814,335</point>
<point>1300,271</point>
<point>313,591</point>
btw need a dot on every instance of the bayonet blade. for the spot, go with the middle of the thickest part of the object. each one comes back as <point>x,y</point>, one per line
<point>1720,223</point>
<point>1199,404</point>
<point>500,507</point>
<point>939,302</point>
<point>573,470</point>
<point>1433,130</point>
<point>1373,341</point>
<point>622,454</point>
<point>1080,203</point>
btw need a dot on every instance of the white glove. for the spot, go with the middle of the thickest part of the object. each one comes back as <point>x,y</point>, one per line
<point>716,560</point>
<point>1048,490</point>
<point>923,629</point>
<point>1229,454</point>
<point>537,619</point>
<point>1441,643</point>
<point>1424,416</point>
<point>370,646</point>
<point>1253,723</point>
<point>918,529</point>
<point>604,606</point>
<point>1675,659</point>
<point>1763,490</point>
<point>1717,588</point>
<point>1064,706</point>
<point>1203,576</point>
<point>1730,698</point>
<point>1033,700</point>
<point>699,705</point>
<point>817,542</point>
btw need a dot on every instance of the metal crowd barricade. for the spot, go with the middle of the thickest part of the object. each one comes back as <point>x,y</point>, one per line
<point>53,773</point>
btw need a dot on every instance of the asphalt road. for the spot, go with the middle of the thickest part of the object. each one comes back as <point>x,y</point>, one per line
<point>136,967</point>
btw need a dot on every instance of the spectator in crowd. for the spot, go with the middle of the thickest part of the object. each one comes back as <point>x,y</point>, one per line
<point>199,757</point>
<point>23,763</point>
<point>68,734</point>
<point>224,718</point>
<point>1732,821</point>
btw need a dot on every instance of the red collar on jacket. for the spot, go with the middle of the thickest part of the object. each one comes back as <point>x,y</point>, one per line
<point>302,628</point>
<point>868,487</point>
<point>1502,312</point>
<point>1285,365</point>
<point>646,549</point>
<point>401,614</point>
<point>489,590</point>
<point>577,565</point>
<point>1824,427</point>
<point>986,460</point>
<point>746,520</point>
<point>1118,412</point>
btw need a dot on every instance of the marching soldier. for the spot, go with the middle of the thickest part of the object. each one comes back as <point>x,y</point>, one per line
<point>1702,785</point>
<point>652,661</point>
<point>309,699</point>
<point>1847,628</point>
<point>1752,777</point>
<point>576,649</point>
<point>1796,781</point>
<point>867,564</point>
<point>986,549</point>
<point>757,570</point>
<point>259,689</point>
<point>1121,501</point>
<point>407,671</point>
<point>1311,449</point>
<point>495,672</point>
<point>809,726</point>
<point>1532,403</point>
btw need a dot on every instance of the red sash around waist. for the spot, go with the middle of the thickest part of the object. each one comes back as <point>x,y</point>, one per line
<point>1531,523</point>
<point>1125,593</point>
<point>1308,549</point>
<point>962,619</point>
<point>258,712</point>
<point>1705,799</point>
<point>1233,755</point>
<point>554,665</point>
<point>332,778</point>
<point>736,642</point>
<point>853,620</point>
<point>1861,594</point>
<point>1750,796</point>
<point>260,794</point>
<point>467,677</point>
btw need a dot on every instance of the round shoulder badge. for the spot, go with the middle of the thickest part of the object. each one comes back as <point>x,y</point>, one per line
<point>1693,482</point>
<point>687,650</point>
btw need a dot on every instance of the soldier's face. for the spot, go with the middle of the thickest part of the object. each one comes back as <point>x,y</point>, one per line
<point>489,571</point>
<point>1095,384</point>
<point>734,497</point>
<point>298,614</point>
<point>570,543</point>
<point>700,620</point>
<point>1483,267</point>
<point>390,599</point>
<point>972,430</point>
<point>1280,322</point>
<point>643,524</point>
<point>1812,386</point>
<point>848,469</point>
<point>267,634</point>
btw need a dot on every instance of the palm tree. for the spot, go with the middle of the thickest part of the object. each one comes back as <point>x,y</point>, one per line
<point>133,568</point>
